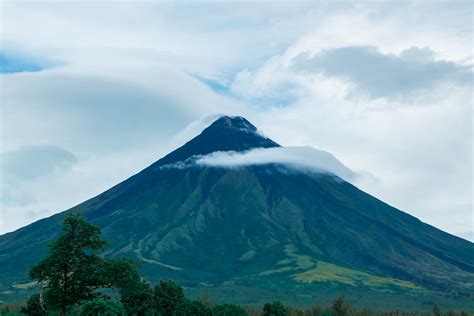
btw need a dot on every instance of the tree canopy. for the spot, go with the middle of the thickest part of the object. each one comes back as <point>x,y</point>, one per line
<point>73,269</point>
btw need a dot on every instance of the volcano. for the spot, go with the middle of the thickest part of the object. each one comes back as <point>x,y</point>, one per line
<point>256,230</point>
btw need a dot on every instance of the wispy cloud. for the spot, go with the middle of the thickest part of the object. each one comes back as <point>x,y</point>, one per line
<point>35,161</point>
<point>302,158</point>
<point>27,165</point>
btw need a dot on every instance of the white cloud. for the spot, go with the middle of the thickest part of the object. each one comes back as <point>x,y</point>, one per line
<point>303,158</point>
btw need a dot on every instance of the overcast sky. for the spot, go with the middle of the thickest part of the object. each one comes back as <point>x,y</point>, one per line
<point>92,93</point>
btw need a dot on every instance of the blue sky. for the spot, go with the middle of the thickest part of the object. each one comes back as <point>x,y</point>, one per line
<point>94,92</point>
<point>13,62</point>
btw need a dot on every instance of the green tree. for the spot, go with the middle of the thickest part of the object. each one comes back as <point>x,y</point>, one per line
<point>340,307</point>
<point>102,307</point>
<point>73,269</point>
<point>274,309</point>
<point>119,273</point>
<point>197,308</point>
<point>169,298</point>
<point>228,310</point>
<point>137,298</point>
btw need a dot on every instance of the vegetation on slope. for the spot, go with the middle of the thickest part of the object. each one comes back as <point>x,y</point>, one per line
<point>75,280</point>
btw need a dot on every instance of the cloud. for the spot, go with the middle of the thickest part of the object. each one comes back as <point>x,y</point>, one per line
<point>101,110</point>
<point>35,161</point>
<point>27,165</point>
<point>299,158</point>
<point>384,75</point>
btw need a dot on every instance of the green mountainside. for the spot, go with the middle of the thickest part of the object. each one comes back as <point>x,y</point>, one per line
<point>246,234</point>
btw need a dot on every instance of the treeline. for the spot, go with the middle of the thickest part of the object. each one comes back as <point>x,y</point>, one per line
<point>75,280</point>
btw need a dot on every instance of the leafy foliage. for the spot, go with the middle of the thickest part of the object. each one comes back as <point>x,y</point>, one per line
<point>169,298</point>
<point>102,307</point>
<point>73,269</point>
<point>197,308</point>
<point>71,265</point>
<point>274,309</point>
<point>137,298</point>
<point>228,309</point>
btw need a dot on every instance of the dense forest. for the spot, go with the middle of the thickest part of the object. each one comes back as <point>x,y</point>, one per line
<point>74,279</point>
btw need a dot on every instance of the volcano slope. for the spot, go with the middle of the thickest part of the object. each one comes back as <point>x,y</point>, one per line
<point>259,232</point>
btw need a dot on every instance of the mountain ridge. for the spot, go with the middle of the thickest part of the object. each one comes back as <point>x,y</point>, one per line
<point>257,226</point>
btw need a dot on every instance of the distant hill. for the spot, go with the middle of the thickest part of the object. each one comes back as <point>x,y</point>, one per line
<point>255,231</point>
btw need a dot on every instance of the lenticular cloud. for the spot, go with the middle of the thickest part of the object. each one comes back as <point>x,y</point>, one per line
<point>307,158</point>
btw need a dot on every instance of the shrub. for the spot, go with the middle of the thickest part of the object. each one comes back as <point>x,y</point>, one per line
<point>102,307</point>
<point>274,309</point>
<point>228,310</point>
<point>197,308</point>
<point>169,298</point>
<point>137,298</point>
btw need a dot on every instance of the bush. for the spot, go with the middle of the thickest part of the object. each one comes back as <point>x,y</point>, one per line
<point>228,310</point>
<point>169,298</point>
<point>274,309</point>
<point>102,307</point>
<point>137,298</point>
<point>197,308</point>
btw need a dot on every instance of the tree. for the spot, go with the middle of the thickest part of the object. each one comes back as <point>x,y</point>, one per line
<point>436,310</point>
<point>274,309</point>
<point>73,269</point>
<point>102,307</point>
<point>197,308</point>
<point>228,310</point>
<point>340,307</point>
<point>137,298</point>
<point>169,298</point>
<point>119,273</point>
